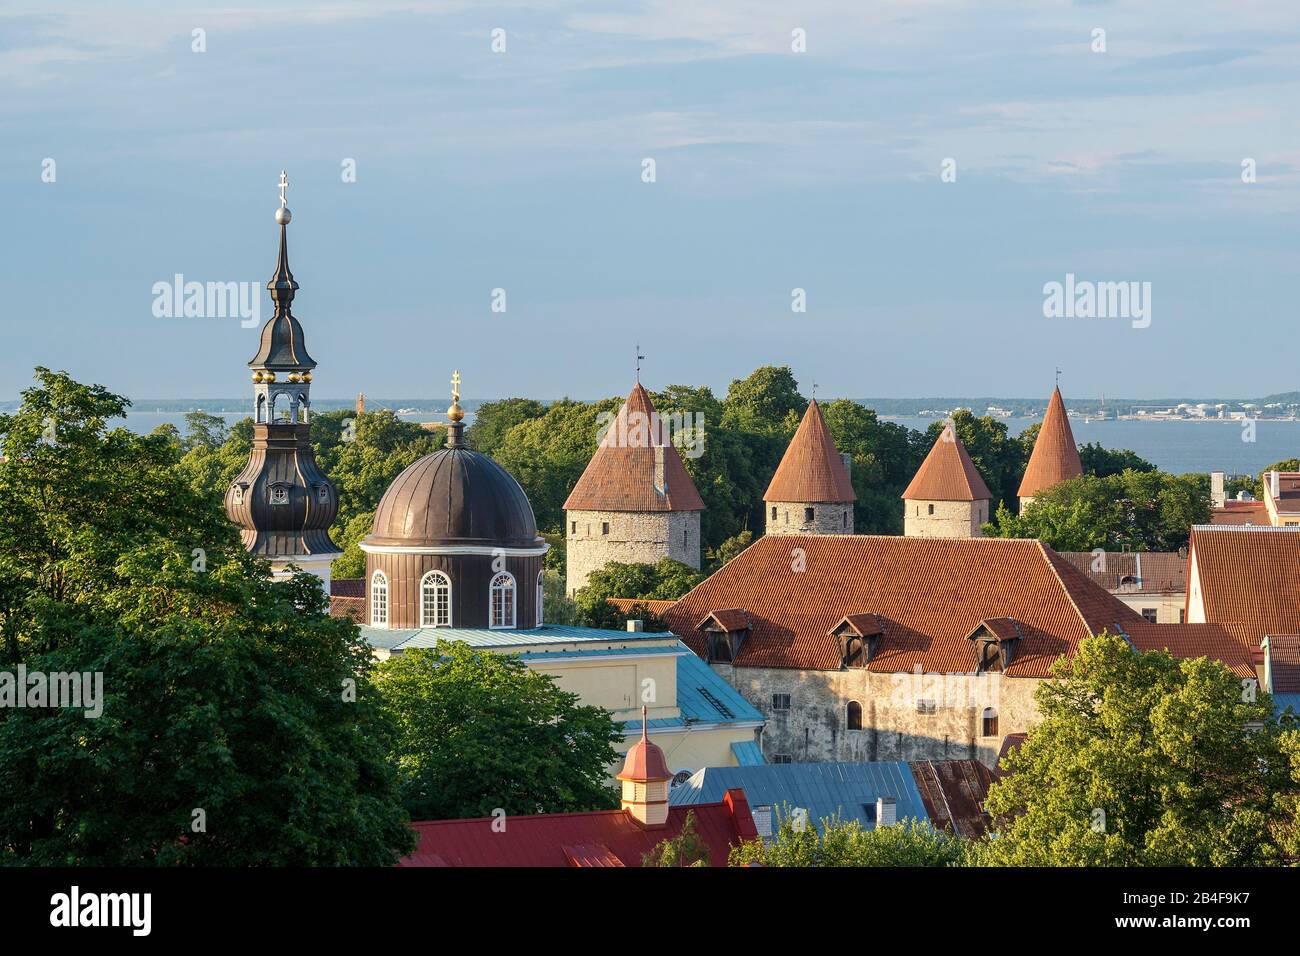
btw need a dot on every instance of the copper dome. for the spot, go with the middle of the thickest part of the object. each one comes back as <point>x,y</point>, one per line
<point>454,496</point>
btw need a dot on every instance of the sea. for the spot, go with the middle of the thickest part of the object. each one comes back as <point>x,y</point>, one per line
<point>1172,446</point>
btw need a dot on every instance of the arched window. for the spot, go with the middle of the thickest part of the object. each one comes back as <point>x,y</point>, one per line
<point>501,607</point>
<point>990,722</point>
<point>379,600</point>
<point>539,598</point>
<point>773,512</point>
<point>435,600</point>
<point>855,715</point>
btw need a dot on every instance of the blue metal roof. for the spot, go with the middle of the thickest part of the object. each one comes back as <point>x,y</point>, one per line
<point>403,638</point>
<point>748,753</point>
<point>705,697</point>
<point>825,790</point>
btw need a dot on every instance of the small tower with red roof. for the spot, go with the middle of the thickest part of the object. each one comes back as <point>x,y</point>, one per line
<point>1055,457</point>
<point>635,502</point>
<point>645,777</point>
<point>811,492</point>
<point>947,498</point>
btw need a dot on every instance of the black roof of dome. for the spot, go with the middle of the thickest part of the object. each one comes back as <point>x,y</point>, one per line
<point>454,496</point>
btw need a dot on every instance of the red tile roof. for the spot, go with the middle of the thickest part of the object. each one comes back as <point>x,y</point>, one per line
<point>929,594</point>
<point>1228,643</point>
<point>621,475</point>
<point>726,619</point>
<point>1055,457</point>
<point>1143,572</point>
<point>1249,575</point>
<point>948,474</point>
<point>811,469</point>
<point>577,839</point>
<point>1285,664</point>
<point>354,607</point>
<point>1241,512</point>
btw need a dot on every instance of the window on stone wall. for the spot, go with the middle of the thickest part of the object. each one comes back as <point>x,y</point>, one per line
<point>604,527</point>
<point>773,512</point>
<point>844,522</point>
<point>780,701</point>
<point>990,721</point>
<point>931,507</point>
<point>808,514</point>
<point>925,705</point>
<point>573,527</point>
<point>781,758</point>
<point>854,715</point>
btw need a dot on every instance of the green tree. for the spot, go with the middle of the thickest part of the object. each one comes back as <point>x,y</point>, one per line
<point>767,402</point>
<point>1142,760</point>
<point>685,849</point>
<point>239,724</point>
<point>729,549</point>
<point>1104,462</point>
<point>480,731</point>
<point>885,456</point>
<point>493,420</point>
<point>666,580</point>
<point>839,842</point>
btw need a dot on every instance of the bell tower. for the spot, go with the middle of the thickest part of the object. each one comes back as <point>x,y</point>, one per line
<point>282,502</point>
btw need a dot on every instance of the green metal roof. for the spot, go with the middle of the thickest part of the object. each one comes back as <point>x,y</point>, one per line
<point>403,638</point>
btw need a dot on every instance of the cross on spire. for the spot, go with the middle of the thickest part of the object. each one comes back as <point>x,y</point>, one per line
<point>284,184</point>
<point>455,385</point>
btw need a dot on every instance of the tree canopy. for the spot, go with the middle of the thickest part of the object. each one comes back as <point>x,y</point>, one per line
<point>1144,760</point>
<point>480,732</point>
<point>239,724</point>
<point>836,842</point>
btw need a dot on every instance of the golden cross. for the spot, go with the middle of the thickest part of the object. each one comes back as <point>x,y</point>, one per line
<point>284,182</point>
<point>455,386</point>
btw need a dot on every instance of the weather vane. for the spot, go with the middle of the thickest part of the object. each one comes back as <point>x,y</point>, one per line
<point>814,394</point>
<point>1058,378</point>
<point>639,357</point>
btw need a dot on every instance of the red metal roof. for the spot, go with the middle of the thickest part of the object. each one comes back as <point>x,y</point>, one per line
<point>560,839</point>
<point>1055,457</point>
<point>621,475</point>
<point>811,469</point>
<point>1241,512</point>
<point>929,594</point>
<point>954,792</point>
<point>948,474</point>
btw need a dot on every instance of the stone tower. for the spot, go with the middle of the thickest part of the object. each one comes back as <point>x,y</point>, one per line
<point>634,503</point>
<point>282,502</point>
<point>811,492</point>
<point>947,498</point>
<point>1055,457</point>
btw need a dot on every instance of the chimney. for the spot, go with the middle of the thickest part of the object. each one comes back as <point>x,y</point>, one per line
<point>636,627</point>
<point>1217,496</point>
<point>1274,484</point>
<point>661,481</point>
<point>886,812</point>
<point>848,463</point>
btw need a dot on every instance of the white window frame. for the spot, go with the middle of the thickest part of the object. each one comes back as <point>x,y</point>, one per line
<point>540,591</point>
<point>438,581</point>
<point>514,603</point>
<point>378,587</point>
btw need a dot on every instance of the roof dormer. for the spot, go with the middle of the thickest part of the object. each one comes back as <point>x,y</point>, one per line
<point>859,638</point>
<point>724,631</point>
<point>996,640</point>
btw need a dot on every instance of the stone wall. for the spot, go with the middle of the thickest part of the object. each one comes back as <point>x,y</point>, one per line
<point>594,538</point>
<point>944,519</point>
<point>791,517</point>
<point>815,727</point>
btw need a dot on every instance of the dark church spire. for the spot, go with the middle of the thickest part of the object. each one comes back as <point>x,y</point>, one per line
<point>283,346</point>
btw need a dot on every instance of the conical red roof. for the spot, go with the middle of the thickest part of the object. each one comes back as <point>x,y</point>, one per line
<point>1055,457</point>
<point>811,469</point>
<point>621,475</point>
<point>645,762</point>
<point>948,474</point>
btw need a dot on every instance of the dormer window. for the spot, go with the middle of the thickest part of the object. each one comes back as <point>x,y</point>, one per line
<point>859,637</point>
<point>279,494</point>
<point>724,631</point>
<point>996,641</point>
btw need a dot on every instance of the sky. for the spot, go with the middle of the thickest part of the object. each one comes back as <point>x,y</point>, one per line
<point>776,169</point>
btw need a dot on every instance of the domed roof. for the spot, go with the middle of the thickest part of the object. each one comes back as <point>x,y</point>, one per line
<point>454,496</point>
